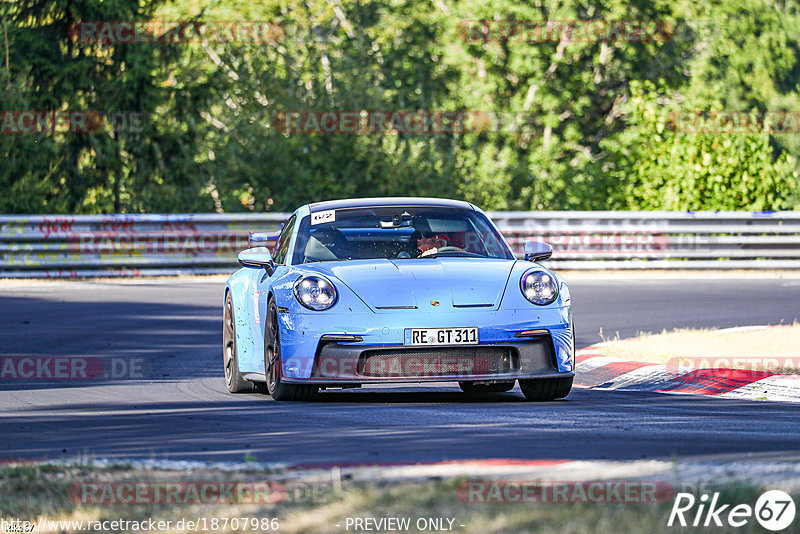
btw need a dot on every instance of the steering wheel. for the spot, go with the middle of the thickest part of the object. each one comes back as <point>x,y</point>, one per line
<point>450,249</point>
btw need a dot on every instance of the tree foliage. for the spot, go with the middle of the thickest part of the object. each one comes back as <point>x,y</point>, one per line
<point>577,124</point>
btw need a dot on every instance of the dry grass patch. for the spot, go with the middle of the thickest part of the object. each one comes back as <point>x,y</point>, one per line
<point>774,349</point>
<point>35,492</point>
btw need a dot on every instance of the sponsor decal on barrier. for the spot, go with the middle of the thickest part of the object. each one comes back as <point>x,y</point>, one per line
<point>56,226</point>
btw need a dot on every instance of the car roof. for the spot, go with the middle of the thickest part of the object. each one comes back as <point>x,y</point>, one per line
<point>386,202</point>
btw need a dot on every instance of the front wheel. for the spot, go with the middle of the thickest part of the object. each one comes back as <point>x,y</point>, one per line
<point>276,387</point>
<point>546,389</point>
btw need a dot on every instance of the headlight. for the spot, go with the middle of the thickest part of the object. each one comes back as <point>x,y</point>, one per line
<point>315,292</point>
<point>539,287</point>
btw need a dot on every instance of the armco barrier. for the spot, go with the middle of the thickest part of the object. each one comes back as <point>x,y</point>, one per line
<point>659,239</point>
<point>57,246</point>
<point>53,246</point>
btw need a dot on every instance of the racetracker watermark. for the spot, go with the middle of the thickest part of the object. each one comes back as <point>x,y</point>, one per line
<point>186,31</point>
<point>564,492</point>
<point>609,243</point>
<point>389,366</point>
<point>194,524</point>
<point>178,244</point>
<point>735,122</point>
<point>69,122</point>
<point>789,366</point>
<point>172,493</point>
<point>73,368</point>
<point>382,122</point>
<point>566,31</point>
<point>591,242</point>
<point>198,492</point>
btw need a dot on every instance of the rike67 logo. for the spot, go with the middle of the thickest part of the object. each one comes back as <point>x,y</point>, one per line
<point>774,510</point>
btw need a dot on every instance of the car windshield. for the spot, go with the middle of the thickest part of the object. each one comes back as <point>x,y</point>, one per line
<point>397,233</point>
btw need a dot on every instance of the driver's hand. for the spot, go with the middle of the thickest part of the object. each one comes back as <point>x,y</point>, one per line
<point>428,252</point>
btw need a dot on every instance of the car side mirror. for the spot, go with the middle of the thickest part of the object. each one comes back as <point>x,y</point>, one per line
<point>536,251</point>
<point>257,239</point>
<point>259,257</point>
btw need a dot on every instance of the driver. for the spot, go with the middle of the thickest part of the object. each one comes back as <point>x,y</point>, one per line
<point>430,243</point>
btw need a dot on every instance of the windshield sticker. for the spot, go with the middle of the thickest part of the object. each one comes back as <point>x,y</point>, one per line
<point>323,217</point>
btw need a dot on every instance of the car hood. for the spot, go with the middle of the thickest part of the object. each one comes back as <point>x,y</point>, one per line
<point>406,284</point>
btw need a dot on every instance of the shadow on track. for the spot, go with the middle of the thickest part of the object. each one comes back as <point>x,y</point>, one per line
<point>398,426</point>
<point>175,341</point>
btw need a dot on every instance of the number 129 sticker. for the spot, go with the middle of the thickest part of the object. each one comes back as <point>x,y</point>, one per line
<point>323,217</point>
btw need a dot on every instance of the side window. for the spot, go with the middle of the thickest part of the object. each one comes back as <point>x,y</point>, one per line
<point>282,247</point>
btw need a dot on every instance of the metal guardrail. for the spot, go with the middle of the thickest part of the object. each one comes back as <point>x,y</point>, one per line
<point>54,246</point>
<point>659,239</point>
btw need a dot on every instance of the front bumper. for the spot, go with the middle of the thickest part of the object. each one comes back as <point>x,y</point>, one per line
<point>346,363</point>
<point>377,354</point>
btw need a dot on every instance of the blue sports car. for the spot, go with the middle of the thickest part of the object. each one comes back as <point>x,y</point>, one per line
<point>395,290</point>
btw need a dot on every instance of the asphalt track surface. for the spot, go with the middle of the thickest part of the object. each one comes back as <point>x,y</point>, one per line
<point>182,411</point>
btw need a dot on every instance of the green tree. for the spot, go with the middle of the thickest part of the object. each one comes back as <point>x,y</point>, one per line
<point>117,168</point>
<point>578,123</point>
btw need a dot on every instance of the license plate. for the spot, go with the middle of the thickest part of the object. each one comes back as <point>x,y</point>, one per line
<point>440,336</point>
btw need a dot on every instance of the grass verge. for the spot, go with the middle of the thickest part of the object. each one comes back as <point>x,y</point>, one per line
<point>36,492</point>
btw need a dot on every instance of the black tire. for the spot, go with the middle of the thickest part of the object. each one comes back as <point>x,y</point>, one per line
<point>230,361</point>
<point>277,388</point>
<point>471,388</point>
<point>546,389</point>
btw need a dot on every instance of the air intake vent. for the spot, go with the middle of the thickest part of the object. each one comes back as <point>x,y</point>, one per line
<point>461,361</point>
